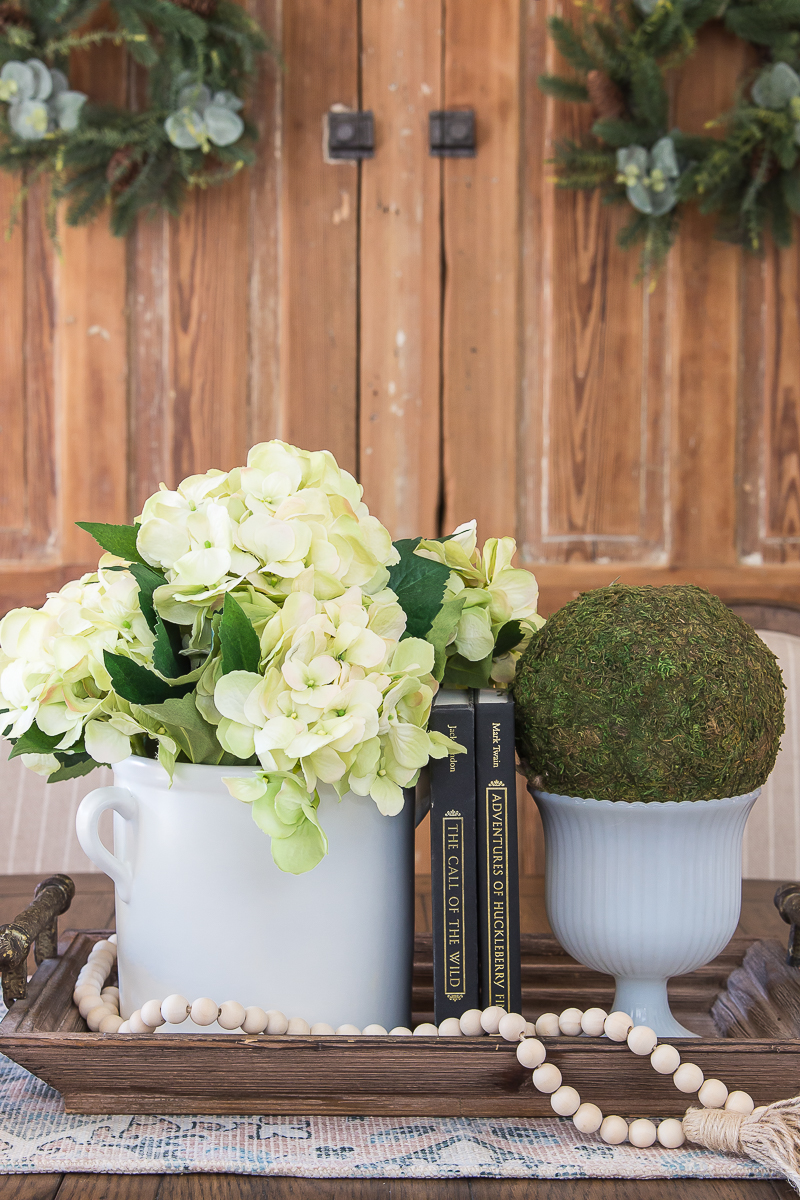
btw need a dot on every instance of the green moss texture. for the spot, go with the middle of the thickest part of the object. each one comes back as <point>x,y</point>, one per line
<point>648,693</point>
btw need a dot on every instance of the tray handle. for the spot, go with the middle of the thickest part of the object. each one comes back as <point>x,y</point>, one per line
<point>37,925</point>
<point>787,902</point>
<point>87,821</point>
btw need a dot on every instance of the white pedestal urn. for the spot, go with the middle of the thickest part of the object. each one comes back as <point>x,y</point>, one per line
<point>202,909</point>
<point>644,892</point>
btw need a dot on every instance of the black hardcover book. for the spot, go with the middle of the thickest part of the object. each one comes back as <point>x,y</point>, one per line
<point>454,903</point>
<point>498,867</point>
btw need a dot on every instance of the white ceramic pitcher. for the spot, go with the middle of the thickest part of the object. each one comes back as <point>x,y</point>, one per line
<point>202,909</point>
<point>644,892</point>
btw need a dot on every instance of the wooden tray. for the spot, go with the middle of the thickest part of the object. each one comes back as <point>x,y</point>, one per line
<point>237,1073</point>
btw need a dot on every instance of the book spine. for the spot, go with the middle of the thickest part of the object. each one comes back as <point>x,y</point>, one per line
<point>498,867</point>
<point>454,907</point>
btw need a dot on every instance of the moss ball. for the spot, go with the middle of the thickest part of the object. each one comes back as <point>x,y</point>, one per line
<point>648,693</point>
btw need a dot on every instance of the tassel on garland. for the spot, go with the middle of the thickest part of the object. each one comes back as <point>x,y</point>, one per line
<point>770,1136</point>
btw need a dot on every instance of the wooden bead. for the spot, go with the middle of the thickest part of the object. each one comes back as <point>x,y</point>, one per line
<point>688,1078</point>
<point>614,1131</point>
<point>449,1027</point>
<point>547,1025</point>
<point>110,1024</point>
<point>204,1011</point>
<point>400,1031</point>
<point>511,1026</point>
<point>96,1015</point>
<point>110,991</point>
<point>105,946</point>
<point>347,1030</point>
<point>491,1017</point>
<point>85,989</point>
<point>88,1002</point>
<point>641,1040</point>
<point>298,1027</point>
<point>320,1029</point>
<point>670,1133</point>
<point>426,1030</point>
<point>739,1102</point>
<point>137,1025</point>
<point>231,1014</point>
<point>530,1029</point>
<point>125,1027</point>
<point>642,1132</point>
<point>470,1023</point>
<point>593,1021</point>
<point>531,1053</point>
<point>713,1094</point>
<point>175,1009</point>
<point>569,1022</point>
<point>255,1019</point>
<point>547,1078</point>
<point>112,940</point>
<point>379,1031</point>
<point>588,1118</point>
<point>277,1023</point>
<point>151,1014</point>
<point>665,1059</point>
<point>617,1025</point>
<point>565,1101</point>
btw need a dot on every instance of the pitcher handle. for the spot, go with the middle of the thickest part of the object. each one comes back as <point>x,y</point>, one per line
<point>87,823</point>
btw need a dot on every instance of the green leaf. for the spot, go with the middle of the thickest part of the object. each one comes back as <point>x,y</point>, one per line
<point>790,182</point>
<point>72,767</point>
<point>116,539</point>
<point>148,580</point>
<point>167,649</point>
<point>440,632</point>
<point>562,88</point>
<point>182,721</point>
<point>508,636</point>
<point>138,685</point>
<point>461,673</point>
<point>33,741</point>
<point>241,649</point>
<point>419,585</point>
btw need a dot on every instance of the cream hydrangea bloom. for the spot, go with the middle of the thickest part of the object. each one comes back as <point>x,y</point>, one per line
<point>494,593</point>
<point>51,663</point>
<point>263,525</point>
<point>342,700</point>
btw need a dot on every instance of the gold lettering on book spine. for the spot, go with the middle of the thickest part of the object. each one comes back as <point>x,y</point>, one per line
<point>454,929</point>
<point>497,908</point>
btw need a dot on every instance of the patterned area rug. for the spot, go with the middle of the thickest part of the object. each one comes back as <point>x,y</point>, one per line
<point>37,1135</point>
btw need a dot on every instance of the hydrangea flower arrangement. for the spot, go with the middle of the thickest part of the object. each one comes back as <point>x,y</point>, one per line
<point>263,617</point>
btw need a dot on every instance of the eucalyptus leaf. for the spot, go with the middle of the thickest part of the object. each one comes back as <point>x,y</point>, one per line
<point>241,649</point>
<point>195,96</point>
<point>59,81</point>
<point>68,106</point>
<point>29,120</point>
<point>227,100</point>
<point>419,584</point>
<point>186,129</point>
<point>776,86</point>
<point>19,81</point>
<point>43,83</point>
<point>224,126</point>
<point>116,539</point>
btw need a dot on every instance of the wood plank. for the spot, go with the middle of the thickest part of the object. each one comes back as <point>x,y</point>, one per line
<point>265,109</point>
<point>208,258</point>
<point>480,359</point>
<point>400,279</point>
<point>781,404</point>
<point>237,1187</point>
<point>319,214</point>
<point>152,433</point>
<point>13,411</point>
<point>111,1187</point>
<point>91,354</point>
<point>625,1189</point>
<point>29,1187</point>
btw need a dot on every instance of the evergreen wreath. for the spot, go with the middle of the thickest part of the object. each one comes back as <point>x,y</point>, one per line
<point>198,56</point>
<point>749,177</point>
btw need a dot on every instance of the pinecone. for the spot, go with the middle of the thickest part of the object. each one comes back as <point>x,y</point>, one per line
<point>11,15</point>
<point>203,8</point>
<point>756,163</point>
<point>122,169</point>
<point>607,100</point>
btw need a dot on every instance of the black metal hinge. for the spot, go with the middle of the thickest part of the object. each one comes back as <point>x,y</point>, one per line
<point>452,133</point>
<point>349,135</point>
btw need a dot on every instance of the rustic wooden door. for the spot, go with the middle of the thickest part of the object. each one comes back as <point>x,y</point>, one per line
<point>466,339</point>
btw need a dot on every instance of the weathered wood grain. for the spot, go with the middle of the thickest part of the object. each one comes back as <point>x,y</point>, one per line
<point>29,1187</point>
<point>13,411</point>
<point>400,283</point>
<point>91,345</point>
<point>150,400</point>
<point>319,215</point>
<point>481,208</point>
<point>781,458</point>
<point>112,1187</point>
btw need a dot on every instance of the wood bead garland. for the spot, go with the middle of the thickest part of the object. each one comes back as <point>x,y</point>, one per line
<point>726,1121</point>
